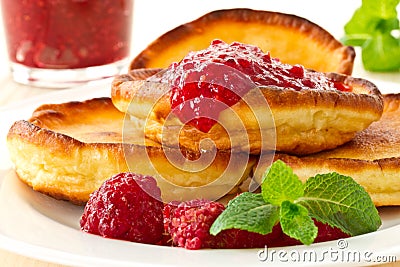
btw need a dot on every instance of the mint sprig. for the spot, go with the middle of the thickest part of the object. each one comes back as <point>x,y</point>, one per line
<point>281,184</point>
<point>242,211</point>
<point>330,198</point>
<point>339,201</point>
<point>296,222</point>
<point>371,28</point>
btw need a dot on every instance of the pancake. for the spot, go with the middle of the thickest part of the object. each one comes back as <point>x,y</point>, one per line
<point>372,158</point>
<point>68,150</point>
<point>292,39</point>
<point>324,119</point>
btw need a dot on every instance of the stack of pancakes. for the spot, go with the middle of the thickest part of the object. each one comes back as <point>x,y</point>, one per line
<point>68,150</point>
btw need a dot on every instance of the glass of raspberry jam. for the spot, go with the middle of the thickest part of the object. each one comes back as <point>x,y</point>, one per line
<point>62,43</point>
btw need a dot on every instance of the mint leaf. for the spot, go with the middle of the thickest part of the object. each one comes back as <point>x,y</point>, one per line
<point>372,16</point>
<point>339,201</point>
<point>280,184</point>
<point>296,223</point>
<point>383,8</point>
<point>249,212</point>
<point>329,198</point>
<point>381,53</point>
<point>371,28</point>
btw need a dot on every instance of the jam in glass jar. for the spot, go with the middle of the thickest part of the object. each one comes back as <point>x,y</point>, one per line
<point>61,43</point>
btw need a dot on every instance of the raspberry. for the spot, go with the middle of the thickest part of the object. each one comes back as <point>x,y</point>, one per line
<point>189,223</point>
<point>126,207</point>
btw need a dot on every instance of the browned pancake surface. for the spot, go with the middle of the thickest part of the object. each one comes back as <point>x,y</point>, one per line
<point>68,150</point>
<point>303,122</point>
<point>372,158</point>
<point>290,38</point>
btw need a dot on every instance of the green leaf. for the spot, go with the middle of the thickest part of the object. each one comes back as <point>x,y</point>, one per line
<point>248,211</point>
<point>372,16</point>
<point>381,8</point>
<point>280,184</point>
<point>339,201</point>
<point>296,223</point>
<point>361,30</point>
<point>362,23</point>
<point>329,198</point>
<point>370,28</point>
<point>356,39</point>
<point>381,53</point>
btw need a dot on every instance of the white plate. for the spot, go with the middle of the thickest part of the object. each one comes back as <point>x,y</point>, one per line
<point>38,226</point>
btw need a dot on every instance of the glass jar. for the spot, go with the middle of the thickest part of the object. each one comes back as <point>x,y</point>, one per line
<point>60,43</point>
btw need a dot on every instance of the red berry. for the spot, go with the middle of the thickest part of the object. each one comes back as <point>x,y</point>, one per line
<point>189,222</point>
<point>127,206</point>
<point>189,225</point>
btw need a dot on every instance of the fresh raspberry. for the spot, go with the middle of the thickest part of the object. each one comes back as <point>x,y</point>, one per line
<point>127,206</point>
<point>189,223</point>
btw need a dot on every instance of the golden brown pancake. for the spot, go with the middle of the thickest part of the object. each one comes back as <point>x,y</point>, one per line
<point>303,122</point>
<point>372,158</point>
<point>68,150</point>
<point>292,39</point>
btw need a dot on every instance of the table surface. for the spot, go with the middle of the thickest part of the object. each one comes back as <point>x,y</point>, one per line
<point>149,24</point>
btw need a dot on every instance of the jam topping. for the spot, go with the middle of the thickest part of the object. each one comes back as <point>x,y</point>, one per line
<point>206,82</point>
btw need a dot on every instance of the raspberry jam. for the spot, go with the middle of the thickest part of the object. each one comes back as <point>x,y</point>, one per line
<point>206,82</point>
<point>67,34</point>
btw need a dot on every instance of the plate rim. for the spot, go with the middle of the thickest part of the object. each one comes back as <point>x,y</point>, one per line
<point>62,257</point>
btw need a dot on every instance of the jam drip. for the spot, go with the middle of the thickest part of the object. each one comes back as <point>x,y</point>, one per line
<point>206,82</point>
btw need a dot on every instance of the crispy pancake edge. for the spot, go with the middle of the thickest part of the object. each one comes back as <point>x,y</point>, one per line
<point>363,106</point>
<point>342,55</point>
<point>380,177</point>
<point>66,168</point>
